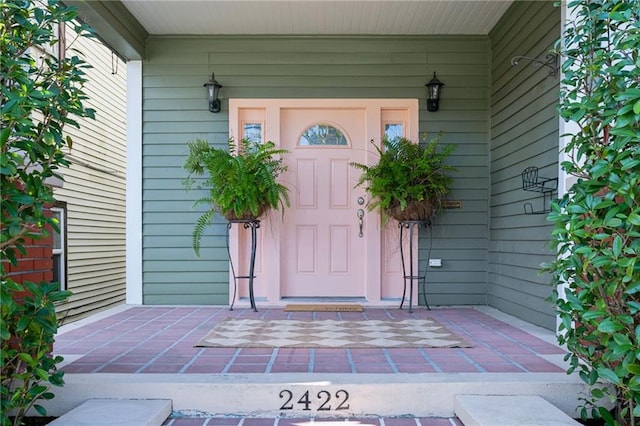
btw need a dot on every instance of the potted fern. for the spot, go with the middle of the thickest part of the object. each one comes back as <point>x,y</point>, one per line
<point>409,181</point>
<point>242,182</point>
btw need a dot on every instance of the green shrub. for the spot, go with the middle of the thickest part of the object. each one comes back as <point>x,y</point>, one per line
<point>40,94</point>
<point>597,222</point>
<point>27,330</point>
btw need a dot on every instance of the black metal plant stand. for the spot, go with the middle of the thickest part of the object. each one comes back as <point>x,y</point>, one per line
<point>534,183</point>
<point>413,227</point>
<point>253,225</point>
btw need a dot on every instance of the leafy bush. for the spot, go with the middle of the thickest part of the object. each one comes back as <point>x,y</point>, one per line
<point>242,182</point>
<point>597,222</point>
<point>40,94</point>
<point>410,180</point>
<point>28,328</point>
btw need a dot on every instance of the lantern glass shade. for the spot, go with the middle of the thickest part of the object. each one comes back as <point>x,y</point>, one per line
<point>433,93</point>
<point>213,88</point>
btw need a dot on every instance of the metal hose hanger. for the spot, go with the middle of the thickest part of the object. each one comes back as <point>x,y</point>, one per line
<point>551,62</point>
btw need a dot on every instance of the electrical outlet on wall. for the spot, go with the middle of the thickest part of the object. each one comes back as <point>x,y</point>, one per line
<point>435,263</point>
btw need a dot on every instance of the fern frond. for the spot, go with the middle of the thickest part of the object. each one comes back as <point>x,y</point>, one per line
<point>406,171</point>
<point>198,151</point>
<point>241,181</point>
<point>201,225</point>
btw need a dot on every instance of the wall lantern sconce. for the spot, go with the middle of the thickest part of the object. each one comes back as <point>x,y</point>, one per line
<point>433,93</point>
<point>213,88</point>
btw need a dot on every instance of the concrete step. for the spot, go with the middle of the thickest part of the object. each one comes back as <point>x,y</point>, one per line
<point>319,395</point>
<point>110,412</point>
<point>509,410</point>
<point>312,421</point>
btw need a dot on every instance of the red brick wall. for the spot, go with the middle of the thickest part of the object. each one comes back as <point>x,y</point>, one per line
<point>36,265</point>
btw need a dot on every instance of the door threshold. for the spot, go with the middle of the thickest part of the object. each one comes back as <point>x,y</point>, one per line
<point>323,299</point>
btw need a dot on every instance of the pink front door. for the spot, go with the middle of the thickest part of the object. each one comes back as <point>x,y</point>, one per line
<point>323,242</point>
<point>327,245</point>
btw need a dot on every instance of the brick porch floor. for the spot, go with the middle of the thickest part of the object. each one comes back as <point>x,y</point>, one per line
<point>160,339</point>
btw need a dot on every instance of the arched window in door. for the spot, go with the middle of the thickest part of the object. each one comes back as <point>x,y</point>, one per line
<point>322,134</point>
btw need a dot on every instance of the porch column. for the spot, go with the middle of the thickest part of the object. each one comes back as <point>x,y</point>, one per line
<point>565,181</point>
<point>134,184</point>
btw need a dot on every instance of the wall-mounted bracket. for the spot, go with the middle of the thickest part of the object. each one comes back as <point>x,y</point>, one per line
<point>534,183</point>
<point>451,204</point>
<point>551,62</point>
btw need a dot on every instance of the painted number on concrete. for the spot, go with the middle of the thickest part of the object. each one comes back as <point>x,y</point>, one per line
<point>323,401</point>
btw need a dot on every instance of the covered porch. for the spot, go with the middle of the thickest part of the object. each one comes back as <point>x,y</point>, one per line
<point>502,117</point>
<point>500,114</point>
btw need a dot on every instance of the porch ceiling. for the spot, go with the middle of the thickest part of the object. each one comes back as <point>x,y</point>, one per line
<point>317,17</point>
<point>125,25</point>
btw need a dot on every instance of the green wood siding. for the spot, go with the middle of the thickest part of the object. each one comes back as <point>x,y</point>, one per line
<point>175,111</point>
<point>524,132</point>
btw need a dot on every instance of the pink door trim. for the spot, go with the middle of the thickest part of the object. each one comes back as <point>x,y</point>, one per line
<point>268,264</point>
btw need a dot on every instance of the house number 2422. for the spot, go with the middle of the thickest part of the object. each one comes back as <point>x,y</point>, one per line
<point>323,401</point>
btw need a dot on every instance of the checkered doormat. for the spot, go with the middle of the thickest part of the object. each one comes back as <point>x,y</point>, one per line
<point>256,333</point>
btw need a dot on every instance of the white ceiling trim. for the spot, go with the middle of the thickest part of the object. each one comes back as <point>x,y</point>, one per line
<point>317,17</point>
